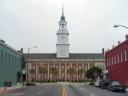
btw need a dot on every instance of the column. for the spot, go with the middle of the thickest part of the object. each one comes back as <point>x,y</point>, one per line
<point>59,71</point>
<point>48,72</point>
<point>36,73</point>
<point>53,76</point>
<point>65,72</point>
<point>77,65</point>
<point>71,75</point>
<point>83,73</point>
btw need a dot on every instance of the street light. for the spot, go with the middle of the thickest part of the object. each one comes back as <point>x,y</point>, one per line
<point>31,48</point>
<point>28,60</point>
<point>120,26</point>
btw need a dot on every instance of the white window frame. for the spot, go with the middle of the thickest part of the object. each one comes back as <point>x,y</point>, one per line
<point>125,55</point>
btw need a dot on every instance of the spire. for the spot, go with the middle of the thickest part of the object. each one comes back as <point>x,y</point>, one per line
<point>62,17</point>
<point>62,10</point>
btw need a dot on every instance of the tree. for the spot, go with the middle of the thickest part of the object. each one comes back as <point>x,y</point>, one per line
<point>93,72</point>
<point>32,71</point>
<point>80,72</point>
<point>71,71</point>
<point>54,73</point>
<point>44,70</point>
<point>40,72</point>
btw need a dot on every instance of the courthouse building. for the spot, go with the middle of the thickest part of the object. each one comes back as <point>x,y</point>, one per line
<point>62,65</point>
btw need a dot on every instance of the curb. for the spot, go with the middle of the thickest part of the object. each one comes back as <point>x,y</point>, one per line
<point>13,90</point>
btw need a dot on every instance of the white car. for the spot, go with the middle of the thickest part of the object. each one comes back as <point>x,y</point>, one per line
<point>97,83</point>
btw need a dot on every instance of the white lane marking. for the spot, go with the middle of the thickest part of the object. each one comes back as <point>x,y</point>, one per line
<point>39,92</point>
<point>18,94</point>
<point>91,94</point>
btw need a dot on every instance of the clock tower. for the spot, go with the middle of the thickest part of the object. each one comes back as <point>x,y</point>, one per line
<point>62,38</point>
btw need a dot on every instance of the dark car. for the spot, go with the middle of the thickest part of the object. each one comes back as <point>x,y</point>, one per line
<point>116,86</point>
<point>104,83</point>
<point>30,84</point>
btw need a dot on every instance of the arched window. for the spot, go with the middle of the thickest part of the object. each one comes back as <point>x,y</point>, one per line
<point>62,25</point>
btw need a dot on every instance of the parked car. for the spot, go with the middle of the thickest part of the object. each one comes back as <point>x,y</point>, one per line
<point>104,83</point>
<point>30,84</point>
<point>96,84</point>
<point>116,86</point>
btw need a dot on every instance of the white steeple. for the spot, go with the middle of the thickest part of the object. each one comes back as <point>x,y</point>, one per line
<point>62,38</point>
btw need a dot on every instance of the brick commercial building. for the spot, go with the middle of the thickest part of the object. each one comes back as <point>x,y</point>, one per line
<point>117,62</point>
<point>62,65</point>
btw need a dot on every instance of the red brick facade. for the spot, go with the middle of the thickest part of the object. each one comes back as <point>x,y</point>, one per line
<point>117,62</point>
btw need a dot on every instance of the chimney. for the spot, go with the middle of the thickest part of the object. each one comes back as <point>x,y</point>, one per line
<point>118,42</point>
<point>113,46</point>
<point>21,50</point>
<point>126,36</point>
<point>103,51</point>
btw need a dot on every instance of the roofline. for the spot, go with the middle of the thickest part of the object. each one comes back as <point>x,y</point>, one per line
<point>9,47</point>
<point>56,53</point>
<point>117,46</point>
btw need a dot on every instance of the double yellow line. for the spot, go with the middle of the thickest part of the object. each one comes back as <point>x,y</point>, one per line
<point>64,91</point>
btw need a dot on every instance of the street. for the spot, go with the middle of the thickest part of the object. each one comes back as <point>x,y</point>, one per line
<point>61,89</point>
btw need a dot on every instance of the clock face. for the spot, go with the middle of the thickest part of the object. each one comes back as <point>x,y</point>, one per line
<point>62,38</point>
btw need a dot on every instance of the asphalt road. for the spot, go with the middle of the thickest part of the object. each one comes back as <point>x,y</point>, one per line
<point>64,90</point>
<point>84,90</point>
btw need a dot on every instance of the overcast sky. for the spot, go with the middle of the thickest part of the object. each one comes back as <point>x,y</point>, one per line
<point>27,23</point>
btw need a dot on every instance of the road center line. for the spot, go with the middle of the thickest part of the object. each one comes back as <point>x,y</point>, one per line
<point>64,91</point>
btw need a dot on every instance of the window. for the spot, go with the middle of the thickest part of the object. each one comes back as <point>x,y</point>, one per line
<point>115,60</point>
<point>9,58</point>
<point>125,55</point>
<point>12,60</point>
<point>112,61</point>
<point>15,61</point>
<point>5,58</point>
<point>121,57</point>
<point>62,25</point>
<point>107,61</point>
<point>118,59</point>
<point>1,54</point>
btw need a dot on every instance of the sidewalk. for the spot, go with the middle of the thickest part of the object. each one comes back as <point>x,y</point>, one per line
<point>13,88</point>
